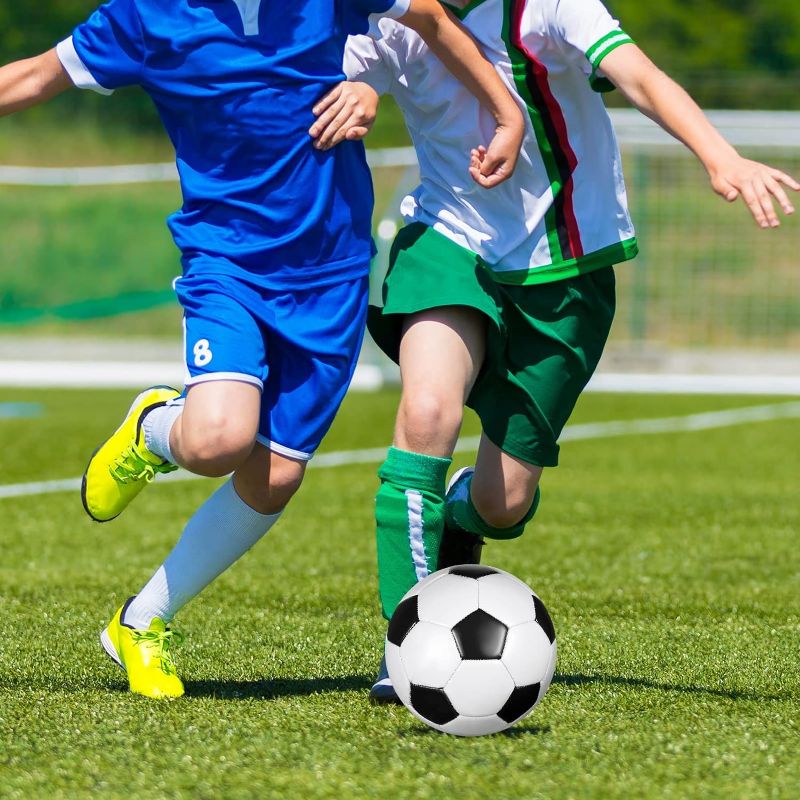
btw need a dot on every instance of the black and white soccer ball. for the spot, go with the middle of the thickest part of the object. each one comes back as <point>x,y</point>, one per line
<point>471,650</point>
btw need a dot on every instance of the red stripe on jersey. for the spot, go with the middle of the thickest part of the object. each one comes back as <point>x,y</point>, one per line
<point>559,124</point>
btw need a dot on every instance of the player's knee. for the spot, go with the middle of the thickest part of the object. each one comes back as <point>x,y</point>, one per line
<point>429,416</point>
<point>217,447</point>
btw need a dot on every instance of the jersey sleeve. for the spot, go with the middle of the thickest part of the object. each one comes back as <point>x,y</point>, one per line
<point>362,16</point>
<point>363,62</point>
<point>384,8</point>
<point>107,51</point>
<point>587,27</point>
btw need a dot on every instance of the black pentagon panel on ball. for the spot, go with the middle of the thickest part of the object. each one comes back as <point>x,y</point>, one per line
<point>405,617</point>
<point>432,704</point>
<point>543,618</point>
<point>480,636</point>
<point>522,700</point>
<point>472,571</point>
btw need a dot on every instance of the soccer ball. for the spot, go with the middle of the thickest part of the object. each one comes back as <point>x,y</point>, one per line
<point>471,650</point>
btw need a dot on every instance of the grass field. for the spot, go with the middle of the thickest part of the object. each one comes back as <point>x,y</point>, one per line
<point>669,563</point>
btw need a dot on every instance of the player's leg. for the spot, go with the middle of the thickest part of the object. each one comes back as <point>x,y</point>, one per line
<point>441,352</point>
<point>493,500</point>
<point>212,429</point>
<point>440,356</point>
<point>311,339</point>
<point>438,302</point>
<point>219,533</point>
<point>554,336</point>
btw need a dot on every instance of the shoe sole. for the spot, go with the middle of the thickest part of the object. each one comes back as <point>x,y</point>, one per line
<point>111,651</point>
<point>100,446</point>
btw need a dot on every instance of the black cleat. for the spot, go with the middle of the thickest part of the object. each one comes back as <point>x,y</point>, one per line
<point>459,546</point>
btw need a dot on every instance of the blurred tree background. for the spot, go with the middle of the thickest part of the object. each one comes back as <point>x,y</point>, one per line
<point>728,53</point>
<point>30,28</point>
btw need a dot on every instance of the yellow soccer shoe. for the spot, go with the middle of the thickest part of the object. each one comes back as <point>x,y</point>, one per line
<point>122,466</point>
<point>145,656</point>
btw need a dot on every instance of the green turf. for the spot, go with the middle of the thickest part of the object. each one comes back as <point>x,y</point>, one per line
<point>669,564</point>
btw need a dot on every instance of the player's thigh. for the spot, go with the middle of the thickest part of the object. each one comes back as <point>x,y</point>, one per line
<point>553,337</point>
<point>312,351</point>
<point>225,364</point>
<point>224,337</point>
<point>503,483</point>
<point>441,352</point>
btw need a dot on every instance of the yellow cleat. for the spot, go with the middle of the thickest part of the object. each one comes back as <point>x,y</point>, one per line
<point>122,466</point>
<point>145,656</point>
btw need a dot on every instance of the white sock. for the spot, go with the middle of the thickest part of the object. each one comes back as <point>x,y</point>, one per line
<point>221,531</point>
<point>157,426</point>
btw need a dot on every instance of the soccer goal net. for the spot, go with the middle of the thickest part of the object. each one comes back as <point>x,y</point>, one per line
<point>91,243</point>
<point>706,276</point>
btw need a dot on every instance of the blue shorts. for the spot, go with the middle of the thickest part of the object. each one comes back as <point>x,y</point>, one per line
<point>299,346</point>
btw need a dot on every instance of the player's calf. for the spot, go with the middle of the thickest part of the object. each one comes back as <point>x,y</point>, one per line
<point>267,481</point>
<point>462,516</point>
<point>503,510</point>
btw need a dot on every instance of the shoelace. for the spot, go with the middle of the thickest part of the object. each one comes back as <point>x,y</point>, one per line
<point>159,643</point>
<point>131,466</point>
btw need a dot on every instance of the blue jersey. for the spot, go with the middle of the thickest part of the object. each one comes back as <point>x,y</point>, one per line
<point>234,82</point>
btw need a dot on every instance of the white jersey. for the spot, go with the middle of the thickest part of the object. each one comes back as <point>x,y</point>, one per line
<point>564,211</point>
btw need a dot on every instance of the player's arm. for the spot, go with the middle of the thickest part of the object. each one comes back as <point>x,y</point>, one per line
<point>659,97</point>
<point>31,81</point>
<point>458,51</point>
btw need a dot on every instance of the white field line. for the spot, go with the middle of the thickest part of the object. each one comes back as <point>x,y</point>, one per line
<point>124,374</point>
<point>572,433</point>
<point>369,377</point>
<point>123,174</point>
<point>688,383</point>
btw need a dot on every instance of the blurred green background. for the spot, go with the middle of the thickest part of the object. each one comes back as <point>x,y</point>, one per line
<point>76,258</point>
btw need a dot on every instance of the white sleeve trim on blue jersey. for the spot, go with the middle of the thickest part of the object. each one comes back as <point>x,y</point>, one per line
<point>76,69</point>
<point>398,9</point>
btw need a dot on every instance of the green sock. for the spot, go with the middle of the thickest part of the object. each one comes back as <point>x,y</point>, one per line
<point>461,513</point>
<point>409,512</point>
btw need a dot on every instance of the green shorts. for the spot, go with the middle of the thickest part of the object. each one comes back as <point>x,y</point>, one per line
<point>543,345</point>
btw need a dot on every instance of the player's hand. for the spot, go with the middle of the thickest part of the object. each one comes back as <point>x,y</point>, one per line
<point>347,112</point>
<point>489,167</point>
<point>758,185</point>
